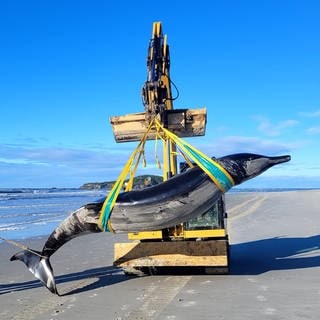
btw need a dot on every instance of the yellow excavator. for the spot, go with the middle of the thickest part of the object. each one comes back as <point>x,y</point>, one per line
<point>201,244</point>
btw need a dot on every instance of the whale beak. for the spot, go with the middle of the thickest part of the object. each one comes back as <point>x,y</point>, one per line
<point>279,159</point>
<point>254,164</point>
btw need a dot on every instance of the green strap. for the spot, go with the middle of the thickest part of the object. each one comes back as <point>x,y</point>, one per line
<point>213,169</point>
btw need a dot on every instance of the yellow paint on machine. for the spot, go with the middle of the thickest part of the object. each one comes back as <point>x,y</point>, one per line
<point>212,253</point>
<point>211,233</point>
<point>185,234</point>
<point>145,235</point>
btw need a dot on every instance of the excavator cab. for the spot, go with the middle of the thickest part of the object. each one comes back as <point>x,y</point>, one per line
<point>213,219</point>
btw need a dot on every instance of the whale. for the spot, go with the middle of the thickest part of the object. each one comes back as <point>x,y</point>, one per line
<point>177,200</point>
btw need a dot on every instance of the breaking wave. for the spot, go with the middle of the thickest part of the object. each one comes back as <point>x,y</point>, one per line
<point>27,213</point>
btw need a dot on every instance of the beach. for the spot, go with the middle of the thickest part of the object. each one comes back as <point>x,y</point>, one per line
<point>274,272</point>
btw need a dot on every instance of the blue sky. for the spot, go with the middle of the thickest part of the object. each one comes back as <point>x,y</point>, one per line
<point>66,66</point>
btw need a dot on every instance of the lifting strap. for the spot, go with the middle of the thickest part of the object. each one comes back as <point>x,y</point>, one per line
<point>109,202</point>
<point>213,169</point>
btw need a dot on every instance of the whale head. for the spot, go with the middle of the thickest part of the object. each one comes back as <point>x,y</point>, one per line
<point>245,166</point>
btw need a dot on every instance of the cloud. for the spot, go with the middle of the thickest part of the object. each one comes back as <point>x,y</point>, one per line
<point>239,144</point>
<point>54,166</point>
<point>312,114</point>
<point>50,163</point>
<point>62,156</point>
<point>313,130</point>
<point>274,129</point>
<point>22,166</point>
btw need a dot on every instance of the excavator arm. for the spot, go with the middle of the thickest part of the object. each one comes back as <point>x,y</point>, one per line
<point>156,92</point>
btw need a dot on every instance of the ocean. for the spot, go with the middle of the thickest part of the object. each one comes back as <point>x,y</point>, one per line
<point>28,213</point>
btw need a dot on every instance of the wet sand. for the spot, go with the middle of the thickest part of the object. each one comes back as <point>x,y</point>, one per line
<point>274,272</point>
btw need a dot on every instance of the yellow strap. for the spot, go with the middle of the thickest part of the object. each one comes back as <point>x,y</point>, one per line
<point>156,153</point>
<point>214,170</point>
<point>133,172</point>
<point>190,164</point>
<point>116,188</point>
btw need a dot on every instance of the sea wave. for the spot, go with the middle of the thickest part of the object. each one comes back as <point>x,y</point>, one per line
<point>11,228</point>
<point>28,213</point>
<point>36,194</point>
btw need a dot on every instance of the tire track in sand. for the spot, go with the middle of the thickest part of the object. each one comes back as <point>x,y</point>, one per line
<point>245,208</point>
<point>52,305</point>
<point>29,312</point>
<point>156,297</point>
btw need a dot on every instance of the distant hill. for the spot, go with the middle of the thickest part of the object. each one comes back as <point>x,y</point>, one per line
<point>139,182</point>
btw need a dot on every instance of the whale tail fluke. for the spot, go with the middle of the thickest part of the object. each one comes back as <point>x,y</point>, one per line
<point>39,266</point>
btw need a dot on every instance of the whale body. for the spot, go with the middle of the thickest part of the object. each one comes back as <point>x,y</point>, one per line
<point>169,203</point>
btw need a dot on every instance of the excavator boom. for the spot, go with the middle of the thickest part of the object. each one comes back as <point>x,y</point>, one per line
<point>156,92</point>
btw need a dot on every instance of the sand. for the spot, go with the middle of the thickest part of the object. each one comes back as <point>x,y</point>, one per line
<point>274,272</point>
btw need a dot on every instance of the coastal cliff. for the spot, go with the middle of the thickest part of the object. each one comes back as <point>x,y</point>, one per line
<point>139,182</point>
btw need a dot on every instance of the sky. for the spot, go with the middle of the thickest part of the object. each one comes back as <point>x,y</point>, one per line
<point>67,66</point>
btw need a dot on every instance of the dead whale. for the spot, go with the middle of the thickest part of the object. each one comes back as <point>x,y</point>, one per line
<point>174,201</point>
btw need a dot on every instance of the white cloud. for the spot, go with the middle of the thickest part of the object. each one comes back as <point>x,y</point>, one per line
<point>311,114</point>
<point>61,166</point>
<point>239,144</point>
<point>313,130</point>
<point>274,129</point>
<point>60,156</point>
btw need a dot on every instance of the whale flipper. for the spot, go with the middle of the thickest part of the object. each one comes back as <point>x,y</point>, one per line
<point>39,266</point>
